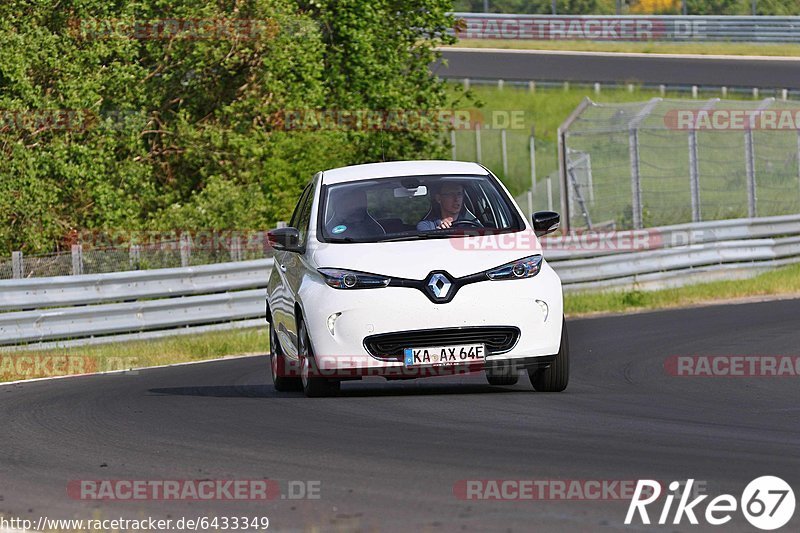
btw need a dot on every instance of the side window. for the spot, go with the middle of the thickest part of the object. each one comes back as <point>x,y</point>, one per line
<point>303,213</point>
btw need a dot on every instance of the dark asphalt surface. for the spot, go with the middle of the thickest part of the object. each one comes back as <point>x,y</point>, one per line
<point>388,455</point>
<point>568,66</point>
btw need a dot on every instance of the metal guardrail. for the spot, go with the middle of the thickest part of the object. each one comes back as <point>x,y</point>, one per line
<point>94,307</point>
<point>75,307</point>
<point>764,29</point>
<point>679,255</point>
<point>132,285</point>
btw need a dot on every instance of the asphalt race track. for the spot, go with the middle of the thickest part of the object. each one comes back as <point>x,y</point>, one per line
<point>611,68</point>
<point>388,455</point>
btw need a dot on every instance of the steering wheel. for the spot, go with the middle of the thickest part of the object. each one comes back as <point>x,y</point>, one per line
<point>470,223</point>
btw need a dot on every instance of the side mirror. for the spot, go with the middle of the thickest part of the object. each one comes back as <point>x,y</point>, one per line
<point>545,222</point>
<point>287,239</point>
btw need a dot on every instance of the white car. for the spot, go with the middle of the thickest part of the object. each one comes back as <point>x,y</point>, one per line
<point>413,269</point>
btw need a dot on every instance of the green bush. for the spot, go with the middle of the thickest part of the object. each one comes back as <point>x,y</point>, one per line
<point>175,133</point>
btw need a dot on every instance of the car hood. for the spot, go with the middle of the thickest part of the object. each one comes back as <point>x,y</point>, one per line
<point>459,256</point>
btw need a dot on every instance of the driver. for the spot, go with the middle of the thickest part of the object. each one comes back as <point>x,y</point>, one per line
<point>448,209</point>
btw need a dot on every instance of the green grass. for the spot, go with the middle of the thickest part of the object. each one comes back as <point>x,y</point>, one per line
<point>133,354</point>
<point>757,49</point>
<point>782,281</point>
<point>664,155</point>
<point>544,110</point>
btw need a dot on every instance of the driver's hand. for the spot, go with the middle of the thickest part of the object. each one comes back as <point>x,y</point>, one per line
<point>445,223</point>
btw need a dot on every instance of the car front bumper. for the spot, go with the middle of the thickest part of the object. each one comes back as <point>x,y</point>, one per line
<point>533,305</point>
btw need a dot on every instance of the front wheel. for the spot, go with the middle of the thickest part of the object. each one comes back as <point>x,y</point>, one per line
<point>555,377</point>
<point>313,385</point>
<point>282,379</point>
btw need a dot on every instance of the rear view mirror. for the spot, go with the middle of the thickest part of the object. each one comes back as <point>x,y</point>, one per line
<point>545,222</point>
<point>287,239</point>
<point>403,192</point>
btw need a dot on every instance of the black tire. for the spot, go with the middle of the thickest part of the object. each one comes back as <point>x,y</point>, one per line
<point>313,386</point>
<point>500,376</point>
<point>555,377</point>
<point>282,379</point>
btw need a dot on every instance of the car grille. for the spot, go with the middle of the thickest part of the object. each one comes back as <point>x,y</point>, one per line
<point>390,346</point>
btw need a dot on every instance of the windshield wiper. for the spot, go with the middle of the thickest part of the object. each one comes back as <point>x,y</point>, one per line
<point>417,236</point>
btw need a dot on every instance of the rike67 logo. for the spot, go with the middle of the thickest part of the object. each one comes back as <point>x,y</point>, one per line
<point>767,503</point>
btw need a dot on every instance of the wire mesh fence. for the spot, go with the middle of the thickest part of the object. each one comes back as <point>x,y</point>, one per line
<point>666,162</point>
<point>139,252</point>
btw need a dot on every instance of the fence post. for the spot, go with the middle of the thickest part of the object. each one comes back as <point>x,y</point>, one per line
<point>636,181</point>
<point>694,171</point>
<point>798,157</point>
<point>504,151</point>
<point>134,256</point>
<point>236,248</point>
<point>17,265</point>
<point>550,194</point>
<point>77,259</point>
<point>186,249</point>
<point>633,150</point>
<point>694,179</point>
<point>478,142</point>
<point>750,159</point>
<point>750,168</point>
<point>530,202</point>
<point>562,165</point>
<point>453,144</point>
<point>532,143</point>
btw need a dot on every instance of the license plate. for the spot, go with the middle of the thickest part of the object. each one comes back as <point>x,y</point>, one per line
<point>445,355</point>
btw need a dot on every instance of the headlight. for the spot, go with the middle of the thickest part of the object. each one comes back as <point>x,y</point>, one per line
<point>349,279</point>
<point>519,269</point>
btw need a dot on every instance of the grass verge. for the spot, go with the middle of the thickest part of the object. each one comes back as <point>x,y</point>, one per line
<point>781,281</point>
<point>30,364</point>
<point>735,49</point>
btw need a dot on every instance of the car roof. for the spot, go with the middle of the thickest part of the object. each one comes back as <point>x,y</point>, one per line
<point>401,168</point>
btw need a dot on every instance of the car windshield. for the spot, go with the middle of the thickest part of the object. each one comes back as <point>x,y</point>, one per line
<point>415,207</point>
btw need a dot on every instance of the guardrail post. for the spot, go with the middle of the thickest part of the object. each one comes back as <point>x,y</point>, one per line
<point>77,259</point>
<point>17,265</point>
<point>134,256</point>
<point>186,249</point>
<point>550,195</point>
<point>504,151</point>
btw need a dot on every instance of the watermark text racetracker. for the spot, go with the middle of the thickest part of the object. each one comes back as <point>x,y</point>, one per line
<point>733,366</point>
<point>15,367</point>
<point>128,490</point>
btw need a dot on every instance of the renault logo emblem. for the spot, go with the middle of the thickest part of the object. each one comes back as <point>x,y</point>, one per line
<point>439,286</point>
